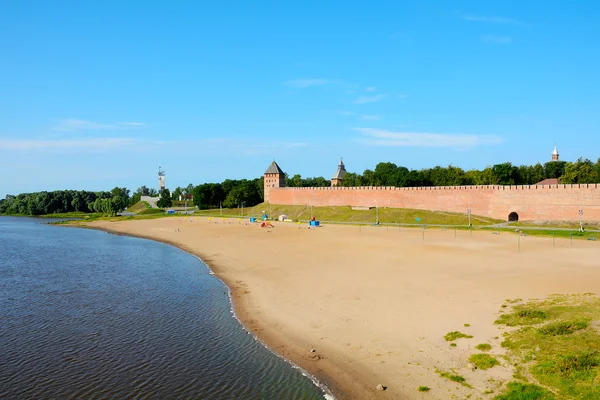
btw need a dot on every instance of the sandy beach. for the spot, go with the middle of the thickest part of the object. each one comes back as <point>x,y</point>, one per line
<point>376,302</point>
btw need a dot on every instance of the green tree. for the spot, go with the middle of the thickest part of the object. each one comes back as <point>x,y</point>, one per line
<point>581,171</point>
<point>506,173</point>
<point>165,199</point>
<point>554,169</point>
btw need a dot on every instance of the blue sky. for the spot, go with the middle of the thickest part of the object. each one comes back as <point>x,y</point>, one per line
<point>99,94</point>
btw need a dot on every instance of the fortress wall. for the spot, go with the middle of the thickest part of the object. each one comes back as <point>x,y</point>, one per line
<point>548,202</point>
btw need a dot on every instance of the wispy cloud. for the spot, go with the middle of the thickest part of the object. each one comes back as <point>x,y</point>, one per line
<point>370,117</point>
<point>370,99</point>
<point>370,89</point>
<point>306,83</point>
<point>63,144</point>
<point>493,20</point>
<point>344,112</point>
<point>80,124</point>
<point>378,137</point>
<point>496,39</point>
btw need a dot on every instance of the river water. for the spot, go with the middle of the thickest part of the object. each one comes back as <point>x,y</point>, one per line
<point>85,314</point>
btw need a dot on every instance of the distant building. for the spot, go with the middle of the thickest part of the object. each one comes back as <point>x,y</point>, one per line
<point>555,154</point>
<point>339,175</point>
<point>161,180</point>
<point>549,181</point>
<point>274,178</point>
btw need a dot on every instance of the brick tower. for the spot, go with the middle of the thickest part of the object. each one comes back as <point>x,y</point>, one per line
<point>274,177</point>
<point>339,175</point>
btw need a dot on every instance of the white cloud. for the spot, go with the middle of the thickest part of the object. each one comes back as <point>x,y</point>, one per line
<point>346,112</point>
<point>306,83</point>
<point>91,143</point>
<point>370,117</point>
<point>493,20</point>
<point>496,39</point>
<point>378,137</point>
<point>80,124</point>
<point>370,99</point>
<point>370,89</point>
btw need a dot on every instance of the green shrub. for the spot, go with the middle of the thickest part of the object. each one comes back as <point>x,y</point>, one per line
<point>452,336</point>
<point>562,328</point>
<point>483,361</point>
<point>454,378</point>
<point>522,317</point>
<point>484,347</point>
<point>522,391</point>
<point>566,365</point>
<point>423,389</point>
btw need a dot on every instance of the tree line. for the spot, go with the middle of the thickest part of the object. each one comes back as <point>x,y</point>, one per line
<point>389,174</point>
<point>64,201</point>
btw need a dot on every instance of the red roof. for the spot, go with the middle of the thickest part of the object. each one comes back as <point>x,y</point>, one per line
<point>551,181</point>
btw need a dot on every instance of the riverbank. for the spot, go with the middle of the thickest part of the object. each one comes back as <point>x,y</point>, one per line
<point>375,303</point>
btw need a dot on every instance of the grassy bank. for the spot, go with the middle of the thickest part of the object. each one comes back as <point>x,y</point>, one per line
<point>548,232</point>
<point>554,345</point>
<point>345,214</point>
<point>139,207</point>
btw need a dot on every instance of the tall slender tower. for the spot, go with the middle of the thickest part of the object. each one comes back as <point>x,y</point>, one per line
<point>161,180</point>
<point>274,177</point>
<point>339,174</point>
<point>555,154</point>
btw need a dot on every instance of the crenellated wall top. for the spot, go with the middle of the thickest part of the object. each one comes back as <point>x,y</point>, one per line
<point>449,188</point>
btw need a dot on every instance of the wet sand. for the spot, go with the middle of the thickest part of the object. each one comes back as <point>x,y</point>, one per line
<point>376,302</point>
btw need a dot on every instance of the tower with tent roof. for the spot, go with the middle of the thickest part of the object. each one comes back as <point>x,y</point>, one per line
<point>274,178</point>
<point>339,175</point>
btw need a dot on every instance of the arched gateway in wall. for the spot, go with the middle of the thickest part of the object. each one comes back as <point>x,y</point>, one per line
<point>513,216</point>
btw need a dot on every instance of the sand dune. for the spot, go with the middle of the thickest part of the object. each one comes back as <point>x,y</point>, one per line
<point>375,303</point>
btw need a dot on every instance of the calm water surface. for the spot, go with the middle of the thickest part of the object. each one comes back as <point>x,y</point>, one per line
<point>85,314</point>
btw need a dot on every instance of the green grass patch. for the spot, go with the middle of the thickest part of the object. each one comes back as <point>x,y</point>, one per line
<point>562,355</point>
<point>151,211</point>
<point>138,207</point>
<point>345,214</point>
<point>524,391</point>
<point>582,364</point>
<point>484,347</point>
<point>483,361</point>
<point>452,344</point>
<point>467,325</point>
<point>523,316</point>
<point>452,336</point>
<point>454,378</point>
<point>424,389</point>
<point>562,328</point>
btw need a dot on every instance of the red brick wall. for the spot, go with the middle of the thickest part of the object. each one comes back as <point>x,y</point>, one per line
<point>549,202</point>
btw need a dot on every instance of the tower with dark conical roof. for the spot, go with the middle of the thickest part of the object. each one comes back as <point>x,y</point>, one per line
<point>274,178</point>
<point>339,175</point>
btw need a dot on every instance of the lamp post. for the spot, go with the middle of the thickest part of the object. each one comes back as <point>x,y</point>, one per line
<point>376,213</point>
<point>221,208</point>
<point>184,202</point>
<point>243,208</point>
<point>581,219</point>
<point>469,214</point>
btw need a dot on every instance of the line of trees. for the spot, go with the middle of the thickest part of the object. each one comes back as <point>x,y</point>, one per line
<point>64,201</point>
<point>389,174</point>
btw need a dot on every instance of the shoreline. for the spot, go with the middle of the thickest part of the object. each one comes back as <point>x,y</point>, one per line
<point>234,309</point>
<point>375,304</point>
